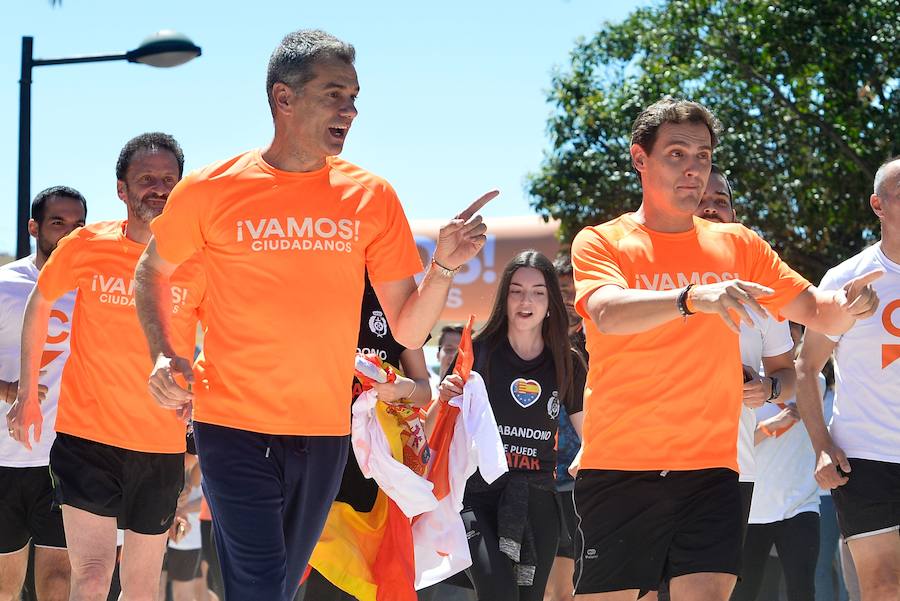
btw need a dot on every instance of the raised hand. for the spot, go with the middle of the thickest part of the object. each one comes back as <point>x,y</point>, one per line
<point>857,297</point>
<point>463,236</point>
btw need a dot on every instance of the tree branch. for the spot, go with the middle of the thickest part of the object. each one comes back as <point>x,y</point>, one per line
<point>809,118</point>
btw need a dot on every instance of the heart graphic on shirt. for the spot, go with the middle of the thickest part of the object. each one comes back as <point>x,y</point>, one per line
<point>525,392</point>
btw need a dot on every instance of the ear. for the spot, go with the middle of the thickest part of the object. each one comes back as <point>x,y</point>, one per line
<point>283,96</point>
<point>638,158</point>
<point>32,228</point>
<point>121,190</point>
<point>875,203</point>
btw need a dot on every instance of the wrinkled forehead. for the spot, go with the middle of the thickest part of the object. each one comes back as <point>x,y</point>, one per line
<point>691,134</point>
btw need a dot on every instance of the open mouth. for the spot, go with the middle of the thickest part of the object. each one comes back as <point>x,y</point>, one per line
<point>524,314</point>
<point>339,132</point>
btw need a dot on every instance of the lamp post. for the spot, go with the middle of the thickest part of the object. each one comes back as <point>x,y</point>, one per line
<point>162,49</point>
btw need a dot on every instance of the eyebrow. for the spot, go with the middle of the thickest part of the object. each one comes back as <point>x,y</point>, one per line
<point>685,142</point>
<point>334,84</point>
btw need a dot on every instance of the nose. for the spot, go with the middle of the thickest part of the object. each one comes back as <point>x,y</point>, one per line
<point>709,210</point>
<point>348,109</point>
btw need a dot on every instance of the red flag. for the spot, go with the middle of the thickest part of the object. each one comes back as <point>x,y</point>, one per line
<point>442,434</point>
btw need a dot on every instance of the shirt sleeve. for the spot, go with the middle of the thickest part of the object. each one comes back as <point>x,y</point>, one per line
<point>595,264</point>
<point>60,273</point>
<point>393,255</point>
<point>576,403</point>
<point>179,230</point>
<point>767,268</point>
<point>776,338</point>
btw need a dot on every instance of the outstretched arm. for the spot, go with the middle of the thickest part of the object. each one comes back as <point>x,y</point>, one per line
<point>615,310</point>
<point>412,311</point>
<point>835,311</point>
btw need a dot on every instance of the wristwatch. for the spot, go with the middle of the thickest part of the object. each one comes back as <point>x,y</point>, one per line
<point>776,389</point>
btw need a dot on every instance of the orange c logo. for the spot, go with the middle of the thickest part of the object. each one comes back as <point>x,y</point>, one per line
<point>890,352</point>
<point>63,318</point>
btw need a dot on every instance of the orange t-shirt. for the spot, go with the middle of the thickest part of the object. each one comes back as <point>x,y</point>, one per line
<point>104,394</point>
<point>285,255</point>
<point>668,398</point>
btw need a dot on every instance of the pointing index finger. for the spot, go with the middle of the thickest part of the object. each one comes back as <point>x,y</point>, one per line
<point>476,206</point>
<point>868,278</point>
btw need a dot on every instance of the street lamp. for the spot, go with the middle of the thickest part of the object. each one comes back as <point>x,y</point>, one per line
<point>162,49</point>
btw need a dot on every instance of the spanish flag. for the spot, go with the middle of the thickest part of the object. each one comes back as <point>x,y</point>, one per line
<point>370,555</point>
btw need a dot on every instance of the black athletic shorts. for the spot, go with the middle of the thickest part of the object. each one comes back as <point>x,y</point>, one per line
<point>869,503</point>
<point>27,510</point>
<point>568,521</point>
<point>636,529</point>
<point>182,565</point>
<point>139,489</point>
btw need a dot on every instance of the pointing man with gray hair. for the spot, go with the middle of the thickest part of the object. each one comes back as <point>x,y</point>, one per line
<point>271,409</point>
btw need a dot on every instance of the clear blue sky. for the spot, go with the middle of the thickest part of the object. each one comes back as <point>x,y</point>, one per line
<point>452,100</point>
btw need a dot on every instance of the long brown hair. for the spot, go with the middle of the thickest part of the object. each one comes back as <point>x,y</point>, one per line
<point>554,329</point>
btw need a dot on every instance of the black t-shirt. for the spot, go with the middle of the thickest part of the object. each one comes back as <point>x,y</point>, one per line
<point>525,399</point>
<point>374,338</point>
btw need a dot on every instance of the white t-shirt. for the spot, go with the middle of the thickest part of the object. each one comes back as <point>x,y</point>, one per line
<point>17,280</point>
<point>785,481</point>
<point>769,338</point>
<point>866,419</point>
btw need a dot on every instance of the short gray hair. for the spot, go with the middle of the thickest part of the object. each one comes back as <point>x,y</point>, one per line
<point>291,63</point>
<point>881,174</point>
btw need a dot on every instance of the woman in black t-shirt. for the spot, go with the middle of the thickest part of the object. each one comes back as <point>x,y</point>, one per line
<point>530,370</point>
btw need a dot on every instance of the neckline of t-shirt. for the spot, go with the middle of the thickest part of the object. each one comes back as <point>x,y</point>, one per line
<point>293,175</point>
<point>528,362</point>
<point>691,233</point>
<point>123,237</point>
<point>884,260</point>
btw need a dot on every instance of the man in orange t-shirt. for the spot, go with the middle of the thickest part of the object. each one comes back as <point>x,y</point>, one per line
<point>118,456</point>
<point>661,292</point>
<point>286,234</point>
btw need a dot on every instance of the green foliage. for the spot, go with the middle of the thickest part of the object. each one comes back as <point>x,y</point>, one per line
<point>808,91</point>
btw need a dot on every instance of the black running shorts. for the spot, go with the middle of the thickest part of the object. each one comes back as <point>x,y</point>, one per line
<point>27,510</point>
<point>139,489</point>
<point>869,503</point>
<point>636,529</point>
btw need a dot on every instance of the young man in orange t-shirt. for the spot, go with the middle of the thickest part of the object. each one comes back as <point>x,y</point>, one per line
<point>118,458</point>
<point>286,234</point>
<point>661,292</point>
